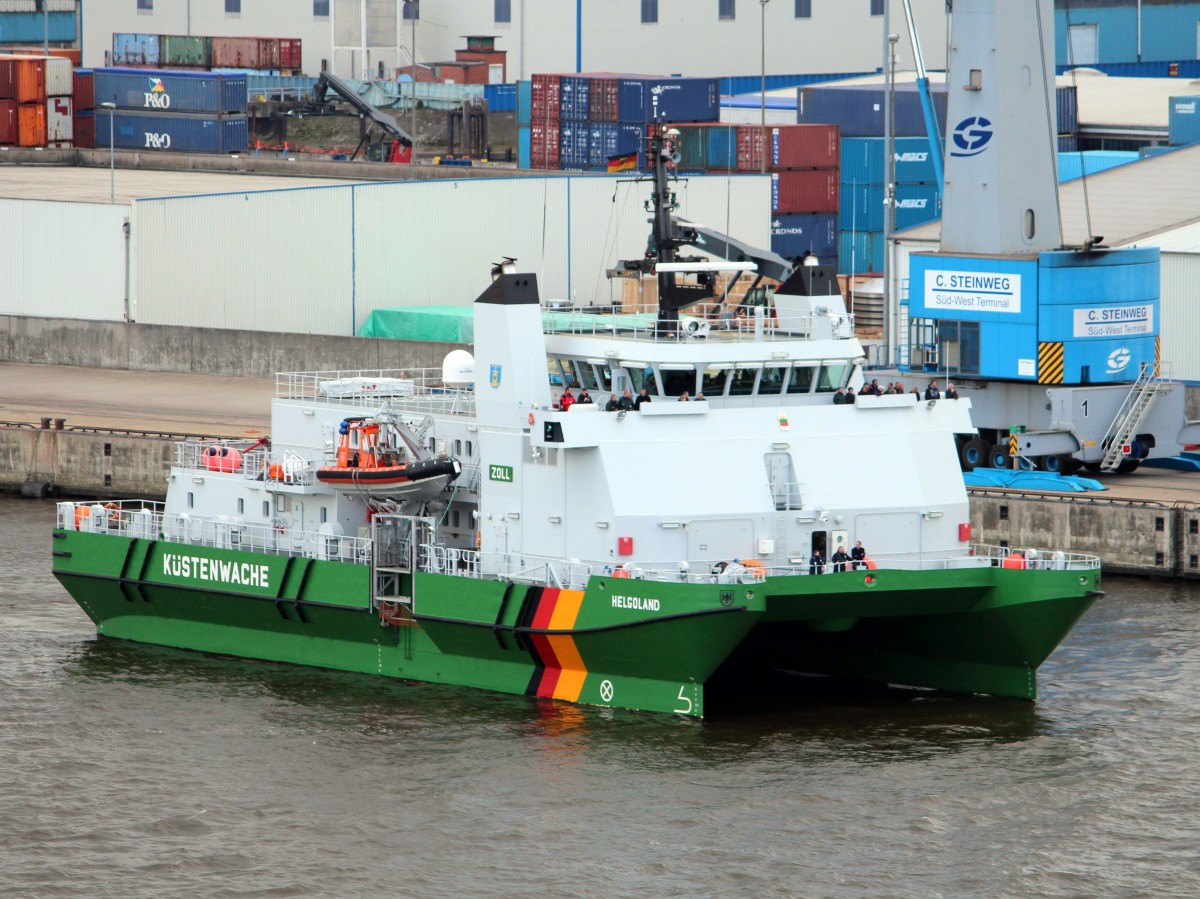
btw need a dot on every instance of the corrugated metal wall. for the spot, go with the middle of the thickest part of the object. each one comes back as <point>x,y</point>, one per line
<point>63,260</point>
<point>320,260</point>
<point>1181,315</point>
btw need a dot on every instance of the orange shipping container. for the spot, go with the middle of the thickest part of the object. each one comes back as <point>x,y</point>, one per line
<point>31,124</point>
<point>23,79</point>
<point>71,53</point>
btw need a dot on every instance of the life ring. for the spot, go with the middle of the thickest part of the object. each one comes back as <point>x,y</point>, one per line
<point>620,572</point>
<point>755,570</point>
<point>113,513</point>
<point>870,563</point>
<point>531,418</point>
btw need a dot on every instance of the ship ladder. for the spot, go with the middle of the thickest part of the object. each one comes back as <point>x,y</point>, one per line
<point>1130,416</point>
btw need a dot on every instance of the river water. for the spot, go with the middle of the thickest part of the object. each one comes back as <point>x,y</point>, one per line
<point>130,771</point>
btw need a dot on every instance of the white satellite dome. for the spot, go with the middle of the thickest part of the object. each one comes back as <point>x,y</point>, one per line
<point>458,368</point>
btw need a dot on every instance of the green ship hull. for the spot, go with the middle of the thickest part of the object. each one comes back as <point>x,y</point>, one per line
<point>629,643</point>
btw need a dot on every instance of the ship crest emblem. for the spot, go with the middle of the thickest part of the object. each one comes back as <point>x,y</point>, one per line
<point>494,376</point>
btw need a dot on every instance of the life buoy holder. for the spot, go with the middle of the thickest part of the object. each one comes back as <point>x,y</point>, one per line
<point>531,418</point>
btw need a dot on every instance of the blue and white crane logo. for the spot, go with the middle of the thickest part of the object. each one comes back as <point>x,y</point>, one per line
<point>971,136</point>
<point>1118,360</point>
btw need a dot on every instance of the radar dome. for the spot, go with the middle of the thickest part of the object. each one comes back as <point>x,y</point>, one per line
<point>458,367</point>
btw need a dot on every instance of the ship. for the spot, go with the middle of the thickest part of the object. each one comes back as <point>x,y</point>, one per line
<point>738,529</point>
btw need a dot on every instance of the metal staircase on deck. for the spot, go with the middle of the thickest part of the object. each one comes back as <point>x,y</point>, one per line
<point>1130,416</point>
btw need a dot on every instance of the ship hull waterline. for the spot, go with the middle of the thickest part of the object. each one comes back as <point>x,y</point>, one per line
<point>624,643</point>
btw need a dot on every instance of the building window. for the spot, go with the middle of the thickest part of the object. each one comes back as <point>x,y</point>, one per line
<point>320,9</point>
<point>503,14</point>
<point>145,5</point>
<point>649,12</point>
<point>803,9</point>
<point>877,7</point>
<point>412,10</point>
<point>726,10</point>
<point>233,7</point>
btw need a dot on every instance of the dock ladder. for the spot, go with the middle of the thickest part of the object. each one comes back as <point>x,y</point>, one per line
<point>1130,417</point>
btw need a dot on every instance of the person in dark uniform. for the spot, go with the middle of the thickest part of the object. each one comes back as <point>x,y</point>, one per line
<point>612,405</point>
<point>951,393</point>
<point>932,392</point>
<point>857,555</point>
<point>642,397</point>
<point>584,397</point>
<point>625,403</point>
<point>840,559</point>
<point>816,564</point>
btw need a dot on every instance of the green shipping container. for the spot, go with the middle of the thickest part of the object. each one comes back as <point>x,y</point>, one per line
<point>177,50</point>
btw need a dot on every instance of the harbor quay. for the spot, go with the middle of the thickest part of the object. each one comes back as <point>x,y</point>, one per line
<point>110,433</point>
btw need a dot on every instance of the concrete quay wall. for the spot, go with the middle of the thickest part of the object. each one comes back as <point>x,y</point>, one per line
<point>205,351</point>
<point>1130,537</point>
<point>77,463</point>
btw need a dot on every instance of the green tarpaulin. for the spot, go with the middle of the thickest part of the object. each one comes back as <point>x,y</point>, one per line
<point>456,324</point>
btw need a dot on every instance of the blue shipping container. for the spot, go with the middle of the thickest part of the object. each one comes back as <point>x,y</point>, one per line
<point>860,251</point>
<point>165,90</point>
<point>135,50</point>
<point>1068,110</point>
<point>640,100</point>
<point>723,148</point>
<point>500,97</point>
<point>608,139</point>
<point>523,148</point>
<point>172,131</point>
<point>862,161</point>
<point>1184,120</point>
<point>574,92</point>
<point>1068,143</point>
<point>858,111</point>
<point>794,235</point>
<point>860,206</point>
<point>32,27</point>
<point>524,102</point>
<point>1075,165</point>
<point>573,144</point>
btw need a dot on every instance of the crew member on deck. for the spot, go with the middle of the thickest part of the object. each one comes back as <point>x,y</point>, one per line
<point>642,397</point>
<point>816,564</point>
<point>951,393</point>
<point>612,405</point>
<point>932,392</point>
<point>857,555</point>
<point>566,400</point>
<point>625,403</point>
<point>840,559</point>
<point>584,397</point>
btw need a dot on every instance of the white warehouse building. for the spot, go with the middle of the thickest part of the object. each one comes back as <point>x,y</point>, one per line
<point>688,37</point>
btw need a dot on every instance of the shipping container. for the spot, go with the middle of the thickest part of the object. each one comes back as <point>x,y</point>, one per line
<point>692,147</point>
<point>543,144</point>
<point>69,53</point>
<point>245,53</point>
<point>751,140</point>
<point>83,89</point>
<point>171,131</point>
<point>813,190</point>
<point>722,148</point>
<point>60,120</point>
<point>170,91</point>
<point>1067,103</point>
<point>23,78</point>
<point>524,102</point>
<point>794,235</point>
<point>863,158</point>
<point>291,55</point>
<point>135,50</point>
<point>501,97</point>
<point>31,27</point>
<point>59,77</point>
<point>84,127</point>
<point>9,134</point>
<point>1068,143</point>
<point>1076,165</point>
<point>1183,120</point>
<point>861,206</point>
<point>641,100</point>
<point>805,147</point>
<point>858,111</point>
<point>602,102</point>
<point>574,95</point>
<point>31,124</point>
<point>573,144</point>
<point>184,51</point>
<point>546,96</point>
<point>860,251</point>
<point>524,157</point>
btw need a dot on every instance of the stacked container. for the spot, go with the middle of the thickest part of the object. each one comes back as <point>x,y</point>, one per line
<point>161,109</point>
<point>861,214</point>
<point>176,51</point>
<point>84,95</point>
<point>35,101</point>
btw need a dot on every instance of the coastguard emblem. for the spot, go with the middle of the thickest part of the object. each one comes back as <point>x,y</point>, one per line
<point>494,376</point>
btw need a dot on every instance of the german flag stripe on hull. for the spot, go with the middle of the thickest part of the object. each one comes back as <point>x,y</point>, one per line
<point>559,671</point>
<point>1050,363</point>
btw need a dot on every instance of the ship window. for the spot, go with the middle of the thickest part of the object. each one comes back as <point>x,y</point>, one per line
<point>1030,226</point>
<point>771,383</point>
<point>713,382</point>
<point>470,449</point>
<point>457,447</point>
<point>802,379</point>
<point>241,505</point>
<point>676,380</point>
<point>324,515</point>
<point>266,509</point>
<point>191,499</point>
<point>454,518</point>
<point>741,382</point>
<point>640,377</point>
<point>587,375</point>
<point>833,376</point>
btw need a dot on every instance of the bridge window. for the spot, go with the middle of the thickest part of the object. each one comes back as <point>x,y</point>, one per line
<point>833,376</point>
<point>771,382</point>
<point>802,379</point>
<point>586,375</point>
<point>677,378</point>
<point>741,382</point>
<point>713,382</point>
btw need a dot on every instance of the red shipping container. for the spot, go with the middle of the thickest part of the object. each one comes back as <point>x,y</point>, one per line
<point>245,53</point>
<point>83,90</point>
<point>804,147</point>
<point>750,148</point>
<point>289,54</point>
<point>602,99</point>
<point>8,122</point>
<point>31,124</point>
<point>543,145</point>
<point>544,98</point>
<point>85,131</point>
<point>810,190</point>
<point>23,79</point>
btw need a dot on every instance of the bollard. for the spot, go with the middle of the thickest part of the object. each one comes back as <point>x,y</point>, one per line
<point>58,423</point>
<point>46,423</point>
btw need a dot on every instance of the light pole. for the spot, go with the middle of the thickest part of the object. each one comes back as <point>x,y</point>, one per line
<point>762,95</point>
<point>112,160</point>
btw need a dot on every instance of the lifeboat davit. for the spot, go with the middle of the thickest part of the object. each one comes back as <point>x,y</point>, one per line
<point>364,464</point>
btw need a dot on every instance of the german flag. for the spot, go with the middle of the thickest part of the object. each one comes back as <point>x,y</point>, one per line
<point>624,162</point>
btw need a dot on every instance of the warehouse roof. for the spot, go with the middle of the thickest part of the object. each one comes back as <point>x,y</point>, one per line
<point>1132,203</point>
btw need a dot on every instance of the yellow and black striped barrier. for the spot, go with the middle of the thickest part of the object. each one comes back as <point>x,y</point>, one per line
<point>1050,363</point>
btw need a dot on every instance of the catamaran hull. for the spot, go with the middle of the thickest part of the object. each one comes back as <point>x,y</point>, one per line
<point>625,643</point>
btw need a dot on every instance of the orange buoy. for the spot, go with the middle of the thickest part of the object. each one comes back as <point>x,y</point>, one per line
<point>1014,560</point>
<point>81,512</point>
<point>870,563</point>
